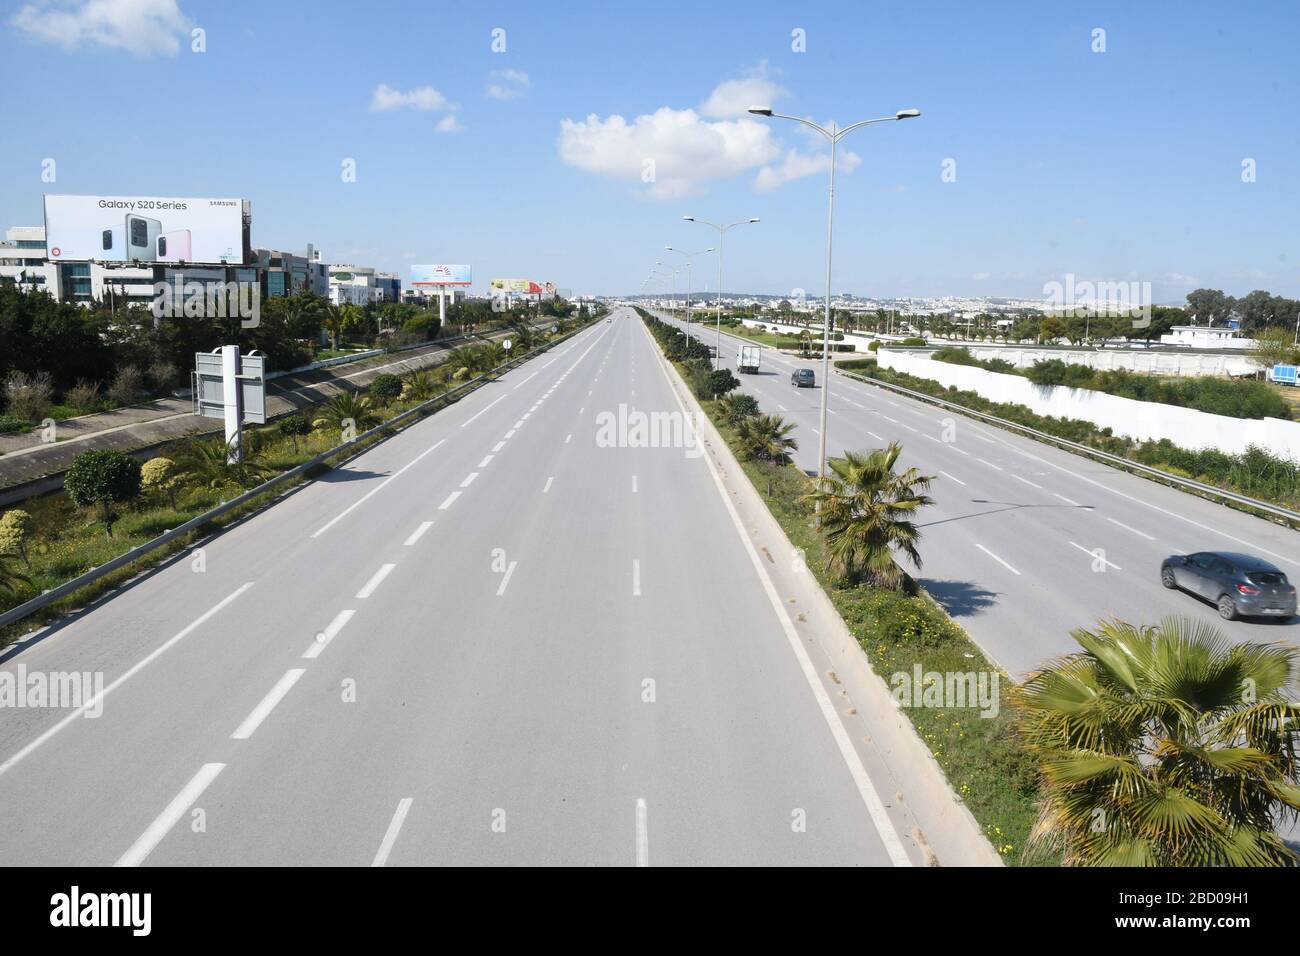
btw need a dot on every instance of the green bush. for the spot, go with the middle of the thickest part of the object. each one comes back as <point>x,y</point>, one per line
<point>100,479</point>
<point>9,424</point>
<point>386,387</point>
<point>913,340</point>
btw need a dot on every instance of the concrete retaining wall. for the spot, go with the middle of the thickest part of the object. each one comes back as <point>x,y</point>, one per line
<point>1185,427</point>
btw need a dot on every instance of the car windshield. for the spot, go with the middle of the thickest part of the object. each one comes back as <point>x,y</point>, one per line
<point>1266,578</point>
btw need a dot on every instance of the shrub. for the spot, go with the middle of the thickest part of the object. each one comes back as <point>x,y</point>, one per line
<point>85,396</point>
<point>100,479</point>
<point>158,477</point>
<point>293,428</point>
<point>128,386</point>
<point>719,383</point>
<point>162,375</point>
<point>913,340</point>
<point>738,405</point>
<point>386,387</point>
<point>28,396</point>
<point>873,345</point>
<point>9,424</point>
<point>15,531</point>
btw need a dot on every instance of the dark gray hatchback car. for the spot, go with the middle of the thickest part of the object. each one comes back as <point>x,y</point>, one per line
<point>803,378</point>
<point>1238,584</point>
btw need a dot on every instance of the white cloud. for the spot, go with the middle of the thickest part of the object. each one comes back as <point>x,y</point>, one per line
<point>510,84</point>
<point>732,98</point>
<point>797,165</point>
<point>141,27</point>
<point>449,124</point>
<point>673,152</point>
<point>424,98</point>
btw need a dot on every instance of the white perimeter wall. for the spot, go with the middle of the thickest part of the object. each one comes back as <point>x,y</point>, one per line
<point>1185,427</point>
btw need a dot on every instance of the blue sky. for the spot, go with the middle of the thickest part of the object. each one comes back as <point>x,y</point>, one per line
<point>1121,165</point>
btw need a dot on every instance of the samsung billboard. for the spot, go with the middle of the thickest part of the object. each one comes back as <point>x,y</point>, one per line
<point>144,229</point>
<point>441,274</point>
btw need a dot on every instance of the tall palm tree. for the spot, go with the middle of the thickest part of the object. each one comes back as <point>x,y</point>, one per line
<point>765,438</point>
<point>1164,746</point>
<point>865,510</point>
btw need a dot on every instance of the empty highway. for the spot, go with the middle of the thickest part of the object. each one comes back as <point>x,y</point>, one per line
<point>487,640</point>
<point>1025,541</point>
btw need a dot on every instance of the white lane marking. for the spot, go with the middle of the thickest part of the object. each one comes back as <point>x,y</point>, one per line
<point>931,437</point>
<point>1095,556</point>
<point>997,559</point>
<point>376,579</point>
<point>96,701</point>
<point>1126,527</point>
<point>448,502</point>
<point>568,438</point>
<point>582,409</point>
<point>909,427</point>
<point>816,432</point>
<point>469,421</point>
<point>642,834</point>
<point>1026,481</point>
<point>983,437</point>
<point>985,461</point>
<point>394,827</point>
<point>1068,501</point>
<point>486,459</point>
<point>534,408</point>
<point>524,416</point>
<point>511,433</point>
<point>519,424</point>
<point>959,451</point>
<point>170,816</point>
<point>953,477</point>
<point>529,378</point>
<point>888,419</point>
<point>634,484</point>
<point>331,631</point>
<point>498,446</point>
<point>782,408</point>
<point>866,789</point>
<point>469,480</point>
<point>417,533</point>
<point>505,581</point>
<point>263,709</point>
<point>373,491</point>
<point>875,436</point>
<point>636,577</point>
<point>548,484</point>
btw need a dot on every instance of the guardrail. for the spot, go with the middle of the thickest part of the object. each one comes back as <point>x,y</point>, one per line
<point>1118,460</point>
<point>27,608</point>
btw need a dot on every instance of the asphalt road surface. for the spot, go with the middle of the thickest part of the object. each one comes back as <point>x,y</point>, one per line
<point>442,653</point>
<point>1026,541</point>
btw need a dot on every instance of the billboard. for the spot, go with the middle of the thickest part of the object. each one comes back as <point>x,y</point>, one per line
<point>441,274</point>
<point>511,285</point>
<point>144,229</point>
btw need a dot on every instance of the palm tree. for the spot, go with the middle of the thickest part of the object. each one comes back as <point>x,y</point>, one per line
<point>207,462</point>
<point>1164,746</point>
<point>765,438</point>
<point>339,409</point>
<point>737,406</point>
<point>11,579</point>
<point>865,511</point>
<point>420,385</point>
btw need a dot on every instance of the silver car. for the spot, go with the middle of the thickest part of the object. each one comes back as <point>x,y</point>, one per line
<point>1238,584</point>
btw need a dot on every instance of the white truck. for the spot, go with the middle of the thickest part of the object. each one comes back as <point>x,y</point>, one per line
<point>748,360</point>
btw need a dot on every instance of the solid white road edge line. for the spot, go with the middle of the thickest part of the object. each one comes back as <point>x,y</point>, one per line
<point>642,834</point>
<point>866,789</point>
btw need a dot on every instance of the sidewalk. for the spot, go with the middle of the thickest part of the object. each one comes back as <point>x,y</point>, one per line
<point>25,460</point>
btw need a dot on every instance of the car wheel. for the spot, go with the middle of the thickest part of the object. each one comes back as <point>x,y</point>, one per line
<point>1227,609</point>
<point>1167,578</point>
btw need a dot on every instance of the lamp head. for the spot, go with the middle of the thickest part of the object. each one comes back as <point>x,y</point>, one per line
<point>907,114</point>
<point>761,110</point>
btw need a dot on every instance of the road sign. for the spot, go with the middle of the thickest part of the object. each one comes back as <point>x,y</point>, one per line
<point>209,386</point>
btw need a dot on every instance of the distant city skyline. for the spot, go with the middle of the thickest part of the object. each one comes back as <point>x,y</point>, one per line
<point>568,149</point>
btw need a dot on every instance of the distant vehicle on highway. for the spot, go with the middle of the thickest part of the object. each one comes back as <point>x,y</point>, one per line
<point>1239,584</point>
<point>803,377</point>
<point>748,360</point>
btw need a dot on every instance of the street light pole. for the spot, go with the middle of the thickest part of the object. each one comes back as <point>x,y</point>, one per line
<point>722,249</point>
<point>690,260</point>
<point>833,136</point>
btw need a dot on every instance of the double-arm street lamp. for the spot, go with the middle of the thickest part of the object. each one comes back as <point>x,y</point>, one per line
<point>833,136</point>
<point>690,262</point>
<point>722,248</point>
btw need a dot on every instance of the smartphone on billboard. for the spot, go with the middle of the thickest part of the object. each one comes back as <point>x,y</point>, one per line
<point>174,246</point>
<point>112,244</point>
<point>142,237</point>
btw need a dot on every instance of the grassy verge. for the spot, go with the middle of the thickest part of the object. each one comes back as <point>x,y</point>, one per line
<point>983,758</point>
<point>1257,472</point>
<point>65,541</point>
